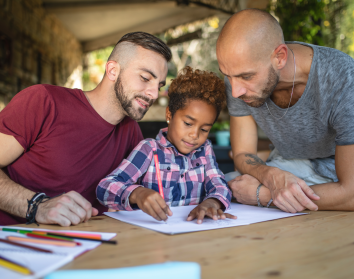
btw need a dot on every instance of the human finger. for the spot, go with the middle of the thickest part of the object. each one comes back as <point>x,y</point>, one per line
<point>66,206</point>
<point>150,211</point>
<point>201,215</point>
<point>303,199</point>
<point>310,194</point>
<point>221,214</point>
<point>164,206</point>
<point>49,214</point>
<point>155,205</point>
<point>192,215</point>
<point>94,211</point>
<point>212,213</point>
<point>230,216</point>
<point>62,221</point>
<point>291,200</point>
<point>278,203</point>
<point>81,201</point>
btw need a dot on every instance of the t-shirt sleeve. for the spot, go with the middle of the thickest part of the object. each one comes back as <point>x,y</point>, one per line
<point>235,106</point>
<point>27,114</point>
<point>342,113</point>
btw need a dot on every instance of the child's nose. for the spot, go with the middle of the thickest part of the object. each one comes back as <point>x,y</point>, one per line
<point>194,134</point>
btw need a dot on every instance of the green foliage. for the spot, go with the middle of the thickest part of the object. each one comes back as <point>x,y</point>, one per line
<point>321,22</point>
<point>220,126</point>
<point>94,67</point>
<point>338,27</point>
<point>301,20</point>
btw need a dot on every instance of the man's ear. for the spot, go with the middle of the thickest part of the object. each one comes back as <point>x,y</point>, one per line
<point>112,70</point>
<point>280,56</point>
<point>168,115</point>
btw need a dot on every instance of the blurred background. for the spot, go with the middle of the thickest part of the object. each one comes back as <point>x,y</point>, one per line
<point>67,42</point>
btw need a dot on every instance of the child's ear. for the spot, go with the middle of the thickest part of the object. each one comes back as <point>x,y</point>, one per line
<point>168,115</point>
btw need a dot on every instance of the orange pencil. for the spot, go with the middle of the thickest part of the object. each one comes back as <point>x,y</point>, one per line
<point>41,236</point>
<point>42,241</point>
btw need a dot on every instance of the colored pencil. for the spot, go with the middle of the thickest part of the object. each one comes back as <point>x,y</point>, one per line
<point>79,234</point>
<point>158,174</point>
<point>52,238</point>
<point>10,264</point>
<point>85,238</point>
<point>42,241</point>
<point>25,246</point>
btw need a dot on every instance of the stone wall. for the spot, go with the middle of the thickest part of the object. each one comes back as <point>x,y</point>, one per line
<point>34,48</point>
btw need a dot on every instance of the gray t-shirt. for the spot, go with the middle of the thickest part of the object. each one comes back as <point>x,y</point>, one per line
<point>321,119</point>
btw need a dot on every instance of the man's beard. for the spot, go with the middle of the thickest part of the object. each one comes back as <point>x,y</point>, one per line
<point>273,80</point>
<point>127,104</point>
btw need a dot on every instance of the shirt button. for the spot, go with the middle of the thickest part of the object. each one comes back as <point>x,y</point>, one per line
<point>197,164</point>
<point>168,168</point>
<point>183,197</point>
<point>182,175</point>
<point>123,201</point>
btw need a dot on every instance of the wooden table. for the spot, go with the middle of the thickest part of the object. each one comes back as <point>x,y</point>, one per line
<point>318,245</point>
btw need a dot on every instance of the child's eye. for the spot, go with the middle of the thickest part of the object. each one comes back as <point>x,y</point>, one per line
<point>205,131</point>
<point>188,124</point>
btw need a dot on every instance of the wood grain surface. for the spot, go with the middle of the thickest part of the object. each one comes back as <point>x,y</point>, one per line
<point>317,245</point>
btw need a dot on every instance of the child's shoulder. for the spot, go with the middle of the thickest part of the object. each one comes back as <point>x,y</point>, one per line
<point>147,143</point>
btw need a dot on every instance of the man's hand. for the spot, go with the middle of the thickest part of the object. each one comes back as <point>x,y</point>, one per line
<point>151,203</point>
<point>244,188</point>
<point>290,193</point>
<point>211,208</point>
<point>68,209</point>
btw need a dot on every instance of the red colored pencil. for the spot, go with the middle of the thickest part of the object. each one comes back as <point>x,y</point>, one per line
<point>159,181</point>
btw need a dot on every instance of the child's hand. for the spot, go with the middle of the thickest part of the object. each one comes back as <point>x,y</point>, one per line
<point>151,203</point>
<point>211,208</point>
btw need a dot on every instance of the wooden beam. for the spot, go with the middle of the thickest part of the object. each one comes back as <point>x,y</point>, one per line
<point>80,6</point>
<point>158,25</point>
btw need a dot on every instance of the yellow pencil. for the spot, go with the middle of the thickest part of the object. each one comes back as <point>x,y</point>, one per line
<point>14,266</point>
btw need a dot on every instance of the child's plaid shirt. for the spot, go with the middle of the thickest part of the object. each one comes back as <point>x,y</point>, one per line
<point>186,179</point>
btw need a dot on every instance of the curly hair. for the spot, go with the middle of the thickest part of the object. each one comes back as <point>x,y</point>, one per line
<point>196,85</point>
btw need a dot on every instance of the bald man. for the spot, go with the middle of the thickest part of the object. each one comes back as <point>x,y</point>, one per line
<point>59,141</point>
<point>301,96</point>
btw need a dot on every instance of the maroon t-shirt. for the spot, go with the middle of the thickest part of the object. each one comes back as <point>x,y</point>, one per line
<point>68,145</point>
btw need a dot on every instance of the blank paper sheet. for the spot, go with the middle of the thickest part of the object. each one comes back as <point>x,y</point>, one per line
<point>246,215</point>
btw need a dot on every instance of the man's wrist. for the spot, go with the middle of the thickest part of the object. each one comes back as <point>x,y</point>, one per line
<point>264,196</point>
<point>268,174</point>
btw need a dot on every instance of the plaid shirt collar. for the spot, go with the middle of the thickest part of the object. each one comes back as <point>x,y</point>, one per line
<point>162,140</point>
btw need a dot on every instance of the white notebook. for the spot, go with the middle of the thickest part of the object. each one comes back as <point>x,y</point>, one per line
<point>42,263</point>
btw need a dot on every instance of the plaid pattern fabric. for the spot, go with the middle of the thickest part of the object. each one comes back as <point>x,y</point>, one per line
<point>186,179</point>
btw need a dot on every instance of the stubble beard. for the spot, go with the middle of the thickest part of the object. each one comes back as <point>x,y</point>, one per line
<point>127,104</point>
<point>273,80</point>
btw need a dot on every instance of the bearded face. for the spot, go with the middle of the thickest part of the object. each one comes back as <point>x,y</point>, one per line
<point>257,102</point>
<point>127,99</point>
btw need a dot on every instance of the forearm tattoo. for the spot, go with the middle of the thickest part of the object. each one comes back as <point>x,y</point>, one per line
<point>254,160</point>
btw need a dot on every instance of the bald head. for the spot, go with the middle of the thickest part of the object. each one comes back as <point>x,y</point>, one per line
<point>251,32</point>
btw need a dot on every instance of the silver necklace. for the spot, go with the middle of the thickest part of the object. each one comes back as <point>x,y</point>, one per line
<point>292,91</point>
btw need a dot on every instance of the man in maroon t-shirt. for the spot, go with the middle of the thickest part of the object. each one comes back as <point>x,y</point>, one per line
<point>55,140</point>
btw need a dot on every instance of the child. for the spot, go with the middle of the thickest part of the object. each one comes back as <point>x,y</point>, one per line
<point>189,172</point>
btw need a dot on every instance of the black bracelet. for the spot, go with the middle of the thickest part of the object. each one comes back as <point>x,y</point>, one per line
<point>33,206</point>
